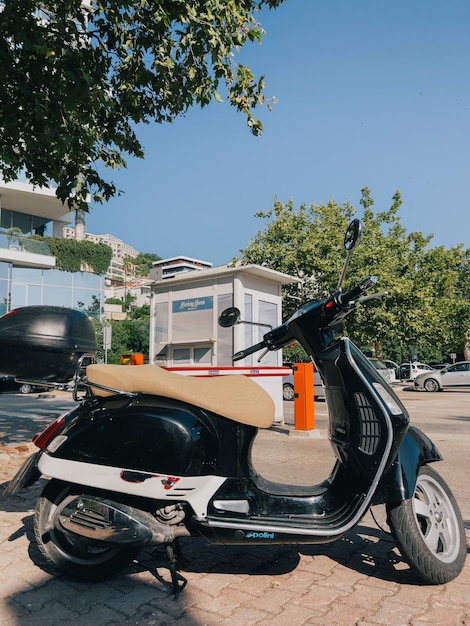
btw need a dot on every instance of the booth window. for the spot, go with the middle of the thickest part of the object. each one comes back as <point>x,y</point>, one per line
<point>203,355</point>
<point>192,355</point>
<point>181,356</point>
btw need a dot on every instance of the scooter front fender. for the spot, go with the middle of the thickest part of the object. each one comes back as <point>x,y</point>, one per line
<point>399,482</point>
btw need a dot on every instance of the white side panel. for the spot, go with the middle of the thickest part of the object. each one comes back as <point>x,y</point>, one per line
<point>196,490</point>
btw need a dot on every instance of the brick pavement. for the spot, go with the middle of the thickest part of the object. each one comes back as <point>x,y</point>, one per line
<point>360,580</point>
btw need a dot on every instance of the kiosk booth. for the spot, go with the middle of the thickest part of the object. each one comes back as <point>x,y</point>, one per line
<point>184,331</point>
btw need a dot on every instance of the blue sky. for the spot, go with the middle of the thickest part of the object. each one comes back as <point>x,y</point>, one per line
<point>371,93</point>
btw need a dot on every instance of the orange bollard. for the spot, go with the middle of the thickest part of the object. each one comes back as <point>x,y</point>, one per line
<point>134,358</point>
<point>304,409</point>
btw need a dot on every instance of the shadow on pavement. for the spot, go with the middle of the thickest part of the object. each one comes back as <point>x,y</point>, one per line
<point>366,550</point>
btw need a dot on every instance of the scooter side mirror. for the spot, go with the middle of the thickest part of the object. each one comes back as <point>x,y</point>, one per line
<point>351,240</point>
<point>229,317</point>
<point>353,235</point>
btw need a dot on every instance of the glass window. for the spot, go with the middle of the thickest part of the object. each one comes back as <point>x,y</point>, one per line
<point>58,277</point>
<point>22,221</point>
<point>27,223</point>
<point>248,328</point>
<point>54,287</point>
<point>6,218</point>
<point>4,270</point>
<point>58,296</point>
<point>39,225</point>
<point>161,322</point>
<point>34,294</point>
<point>28,275</point>
<point>267,312</point>
<point>4,287</point>
<point>86,280</point>
<point>224,335</point>
<point>203,355</point>
<point>459,367</point>
<point>18,296</point>
<point>181,356</point>
<point>83,299</point>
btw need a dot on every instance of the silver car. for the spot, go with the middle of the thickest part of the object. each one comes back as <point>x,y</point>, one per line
<point>384,371</point>
<point>456,375</point>
<point>288,386</point>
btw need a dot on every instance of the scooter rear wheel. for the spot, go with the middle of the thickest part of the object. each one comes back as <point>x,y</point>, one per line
<point>429,531</point>
<point>73,555</point>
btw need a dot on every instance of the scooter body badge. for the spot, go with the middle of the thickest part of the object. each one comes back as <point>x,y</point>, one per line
<point>260,535</point>
<point>169,481</point>
<point>139,477</point>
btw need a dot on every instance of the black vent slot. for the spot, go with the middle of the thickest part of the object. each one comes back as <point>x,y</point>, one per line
<point>369,433</point>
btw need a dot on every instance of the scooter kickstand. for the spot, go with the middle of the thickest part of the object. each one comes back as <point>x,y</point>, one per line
<point>179,581</point>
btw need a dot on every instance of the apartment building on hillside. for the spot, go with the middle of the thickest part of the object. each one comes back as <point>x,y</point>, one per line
<point>121,250</point>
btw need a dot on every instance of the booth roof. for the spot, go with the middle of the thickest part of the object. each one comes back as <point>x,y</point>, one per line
<point>225,270</point>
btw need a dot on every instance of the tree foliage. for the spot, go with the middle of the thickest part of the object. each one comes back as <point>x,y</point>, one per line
<point>72,255</point>
<point>76,81</point>
<point>129,335</point>
<point>143,262</point>
<point>427,306</point>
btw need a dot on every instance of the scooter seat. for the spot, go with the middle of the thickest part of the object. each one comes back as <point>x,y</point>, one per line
<point>234,396</point>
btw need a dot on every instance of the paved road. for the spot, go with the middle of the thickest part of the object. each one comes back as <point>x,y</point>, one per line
<point>445,417</point>
<point>360,580</point>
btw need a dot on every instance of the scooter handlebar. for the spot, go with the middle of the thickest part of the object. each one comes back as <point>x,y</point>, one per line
<point>334,310</point>
<point>247,351</point>
<point>353,294</point>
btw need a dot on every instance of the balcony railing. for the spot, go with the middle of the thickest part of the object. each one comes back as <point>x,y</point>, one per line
<point>24,244</point>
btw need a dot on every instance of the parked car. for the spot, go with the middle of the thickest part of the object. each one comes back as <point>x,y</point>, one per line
<point>288,386</point>
<point>409,371</point>
<point>393,367</point>
<point>456,375</point>
<point>8,383</point>
<point>386,372</point>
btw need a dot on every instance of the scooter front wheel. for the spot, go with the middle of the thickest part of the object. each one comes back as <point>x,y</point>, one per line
<point>428,529</point>
<point>74,555</point>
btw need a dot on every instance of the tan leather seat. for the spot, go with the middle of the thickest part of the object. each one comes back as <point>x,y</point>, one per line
<point>233,396</point>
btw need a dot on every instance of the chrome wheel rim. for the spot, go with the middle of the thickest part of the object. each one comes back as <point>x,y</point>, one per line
<point>436,519</point>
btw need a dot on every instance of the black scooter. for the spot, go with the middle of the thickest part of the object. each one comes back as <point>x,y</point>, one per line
<point>149,456</point>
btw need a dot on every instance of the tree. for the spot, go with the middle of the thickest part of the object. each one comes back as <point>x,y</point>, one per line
<point>129,335</point>
<point>396,258</point>
<point>448,277</point>
<point>305,242</point>
<point>427,305</point>
<point>76,81</point>
<point>140,265</point>
<point>144,262</point>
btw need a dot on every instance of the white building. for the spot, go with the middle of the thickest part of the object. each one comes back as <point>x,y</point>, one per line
<point>28,273</point>
<point>185,335</point>
<point>120,248</point>
<point>185,310</point>
<point>32,209</point>
<point>174,266</point>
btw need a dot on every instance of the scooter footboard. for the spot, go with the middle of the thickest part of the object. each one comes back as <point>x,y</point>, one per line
<point>399,482</point>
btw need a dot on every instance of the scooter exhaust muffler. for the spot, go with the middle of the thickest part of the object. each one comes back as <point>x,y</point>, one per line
<point>111,522</point>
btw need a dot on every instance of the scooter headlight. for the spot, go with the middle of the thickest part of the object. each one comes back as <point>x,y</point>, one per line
<point>390,402</point>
